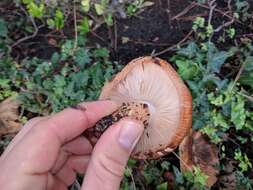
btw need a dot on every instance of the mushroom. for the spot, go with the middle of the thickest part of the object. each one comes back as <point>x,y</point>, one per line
<point>152,84</point>
<point>197,150</point>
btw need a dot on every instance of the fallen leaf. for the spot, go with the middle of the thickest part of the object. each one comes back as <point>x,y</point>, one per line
<point>9,119</point>
<point>196,150</point>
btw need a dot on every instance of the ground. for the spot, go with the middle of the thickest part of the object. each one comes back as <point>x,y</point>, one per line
<point>209,43</point>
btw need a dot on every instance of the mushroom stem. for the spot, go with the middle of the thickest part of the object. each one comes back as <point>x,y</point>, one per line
<point>135,110</point>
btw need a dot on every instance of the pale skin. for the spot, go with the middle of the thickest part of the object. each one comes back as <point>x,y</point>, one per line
<point>49,151</point>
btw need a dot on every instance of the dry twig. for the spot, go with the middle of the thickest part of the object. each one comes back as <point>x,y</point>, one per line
<point>36,30</point>
<point>185,11</point>
<point>115,42</point>
<point>226,24</point>
<point>75,23</point>
<point>250,98</point>
<point>173,46</point>
<point>212,6</point>
<point>169,11</point>
<point>238,75</point>
<point>218,11</point>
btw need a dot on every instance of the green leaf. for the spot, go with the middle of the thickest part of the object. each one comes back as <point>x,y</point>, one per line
<point>216,60</point>
<point>59,19</point>
<point>27,1</point>
<point>48,84</point>
<point>179,175</point>
<point>247,79</point>
<point>67,50</point>
<point>151,174</point>
<point>163,186</point>
<point>189,51</point>
<point>84,26</point>
<point>99,9</point>
<point>187,69</point>
<point>59,81</point>
<point>80,79</point>
<point>238,114</point>
<point>200,177</point>
<point>165,165</point>
<point>3,28</point>
<point>109,19</point>
<point>4,83</point>
<point>82,57</point>
<point>212,133</point>
<point>131,163</point>
<point>50,23</point>
<point>85,5</point>
<point>35,10</point>
<point>248,63</point>
<point>101,52</point>
<point>242,181</point>
<point>243,159</point>
<point>55,58</point>
<point>220,120</point>
<point>209,30</point>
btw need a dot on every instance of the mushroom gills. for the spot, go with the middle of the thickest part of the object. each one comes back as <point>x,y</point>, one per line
<point>134,110</point>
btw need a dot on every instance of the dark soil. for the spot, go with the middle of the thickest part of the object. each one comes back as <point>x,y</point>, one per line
<point>150,31</point>
<point>153,30</point>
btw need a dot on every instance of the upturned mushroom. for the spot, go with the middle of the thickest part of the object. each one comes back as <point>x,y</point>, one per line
<point>151,91</point>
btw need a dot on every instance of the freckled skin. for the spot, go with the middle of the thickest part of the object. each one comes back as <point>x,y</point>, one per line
<point>134,110</point>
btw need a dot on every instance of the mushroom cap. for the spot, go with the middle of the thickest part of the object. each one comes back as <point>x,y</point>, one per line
<point>197,150</point>
<point>154,82</point>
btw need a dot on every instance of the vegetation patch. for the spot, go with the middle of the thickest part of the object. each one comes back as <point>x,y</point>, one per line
<point>54,54</point>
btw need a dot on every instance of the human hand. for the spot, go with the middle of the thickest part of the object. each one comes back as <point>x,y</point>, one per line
<point>49,151</point>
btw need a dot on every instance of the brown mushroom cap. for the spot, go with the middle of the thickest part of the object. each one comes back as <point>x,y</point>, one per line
<point>154,82</point>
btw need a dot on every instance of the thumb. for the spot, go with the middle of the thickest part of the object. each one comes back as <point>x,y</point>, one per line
<point>111,154</point>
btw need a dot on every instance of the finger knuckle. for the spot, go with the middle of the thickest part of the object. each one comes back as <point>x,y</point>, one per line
<point>110,166</point>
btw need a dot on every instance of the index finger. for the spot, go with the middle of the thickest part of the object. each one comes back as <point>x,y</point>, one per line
<point>71,122</point>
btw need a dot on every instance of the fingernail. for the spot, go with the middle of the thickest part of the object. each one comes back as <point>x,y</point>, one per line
<point>130,133</point>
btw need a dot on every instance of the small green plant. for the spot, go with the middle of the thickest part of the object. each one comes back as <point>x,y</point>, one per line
<point>71,76</point>
<point>84,26</point>
<point>58,20</point>
<point>231,33</point>
<point>133,7</point>
<point>163,186</point>
<point>217,104</point>
<point>190,180</point>
<point>36,10</point>
<point>93,13</point>
<point>242,10</point>
<point>243,182</point>
<point>244,163</point>
<point>203,31</point>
